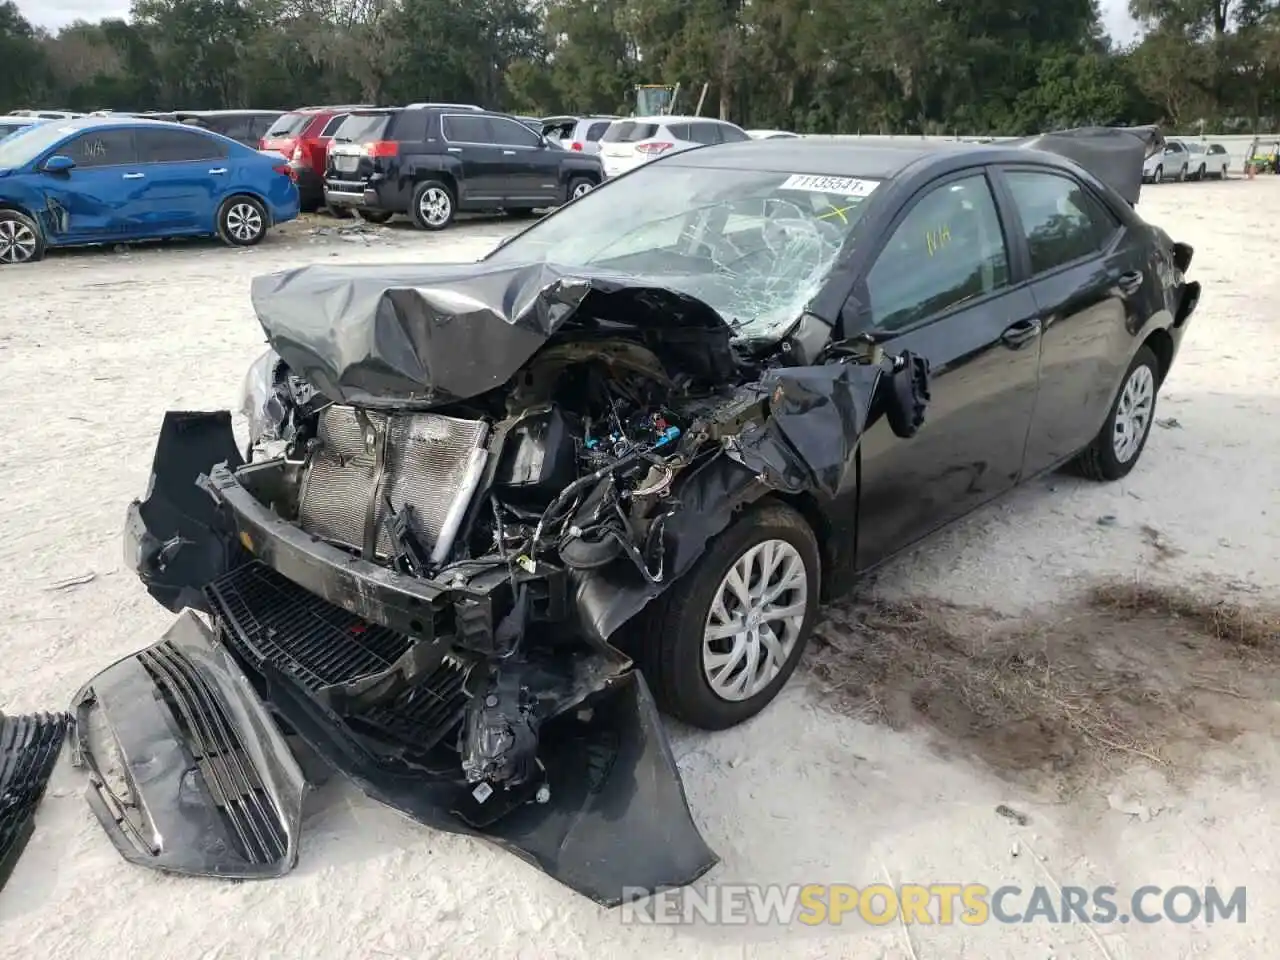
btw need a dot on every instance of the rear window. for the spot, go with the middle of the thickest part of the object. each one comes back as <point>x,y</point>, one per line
<point>597,130</point>
<point>629,131</point>
<point>362,127</point>
<point>290,125</point>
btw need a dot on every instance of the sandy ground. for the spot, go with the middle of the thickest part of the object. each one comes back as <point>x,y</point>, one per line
<point>95,346</point>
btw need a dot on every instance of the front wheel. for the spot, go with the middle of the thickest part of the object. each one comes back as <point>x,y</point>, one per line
<point>723,640</point>
<point>432,205</point>
<point>376,216</point>
<point>1158,177</point>
<point>242,222</point>
<point>1200,172</point>
<point>20,238</point>
<point>1182,175</point>
<point>1119,444</point>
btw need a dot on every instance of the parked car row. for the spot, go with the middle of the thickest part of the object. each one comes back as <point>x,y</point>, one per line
<point>1183,160</point>
<point>117,179</point>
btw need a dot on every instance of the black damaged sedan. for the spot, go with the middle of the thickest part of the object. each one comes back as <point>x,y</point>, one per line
<point>492,517</point>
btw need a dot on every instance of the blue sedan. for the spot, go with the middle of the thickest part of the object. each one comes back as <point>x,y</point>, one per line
<point>113,180</point>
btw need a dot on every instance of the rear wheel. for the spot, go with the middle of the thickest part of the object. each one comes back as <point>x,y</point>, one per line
<point>1159,174</point>
<point>723,640</point>
<point>1120,442</point>
<point>242,222</point>
<point>20,238</point>
<point>433,205</point>
<point>1182,175</point>
<point>1200,172</point>
<point>579,186</point>
<point>376,216</point>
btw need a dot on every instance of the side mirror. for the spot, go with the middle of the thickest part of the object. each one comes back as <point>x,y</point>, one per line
<point>58,163</point>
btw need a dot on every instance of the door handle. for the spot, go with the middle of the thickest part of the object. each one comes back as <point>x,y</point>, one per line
<point>508,153</point>
<point>218,170</point>
<point>1130,282</point>
<point>455,149</point>
<point>1020,333</point>
<point>134,176</point>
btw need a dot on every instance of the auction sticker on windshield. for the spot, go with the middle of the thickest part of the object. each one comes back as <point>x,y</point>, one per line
<point>844,186</point>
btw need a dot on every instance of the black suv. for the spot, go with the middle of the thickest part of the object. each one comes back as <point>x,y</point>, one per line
<point>433,161</point>
<point>245,126</point>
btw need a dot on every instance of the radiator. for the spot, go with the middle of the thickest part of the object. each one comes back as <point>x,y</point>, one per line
<point>428,461</point>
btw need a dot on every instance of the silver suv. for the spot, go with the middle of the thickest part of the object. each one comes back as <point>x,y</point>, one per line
<point>580,134</point>
<point>636,140</point>
<point>1171,163</point>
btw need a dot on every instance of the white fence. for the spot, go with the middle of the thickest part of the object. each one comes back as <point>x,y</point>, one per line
<point>1237,145</point>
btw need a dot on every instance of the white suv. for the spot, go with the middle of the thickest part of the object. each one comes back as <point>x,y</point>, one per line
<point>636,140</point>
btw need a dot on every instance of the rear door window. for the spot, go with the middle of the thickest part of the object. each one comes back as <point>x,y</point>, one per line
<point>177,146</point>
<point>596,131</point>
<point>1061,220</point>
<point>331,127</point>
<point>466,128</point>
<point>629,131</point>
<point>101,148</point>
<point>704,132</point>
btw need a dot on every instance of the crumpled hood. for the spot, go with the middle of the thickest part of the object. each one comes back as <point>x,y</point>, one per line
<point>434,333</point>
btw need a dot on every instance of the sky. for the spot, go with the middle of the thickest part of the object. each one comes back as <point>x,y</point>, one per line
<point>52,14</point>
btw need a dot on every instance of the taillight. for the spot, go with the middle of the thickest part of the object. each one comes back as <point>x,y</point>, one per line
<point>381,148</point>
<point>655,146</point>
<point>298,155</point>
<point>576,146</point>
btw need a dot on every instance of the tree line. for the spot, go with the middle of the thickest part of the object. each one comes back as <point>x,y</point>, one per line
<point>824,66</point>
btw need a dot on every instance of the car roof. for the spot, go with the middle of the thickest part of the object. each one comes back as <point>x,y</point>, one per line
<point>335,107</point>
<point>228,113</point>
<point>847,156</point>
<point>671,118</point>
<point>96,123</point>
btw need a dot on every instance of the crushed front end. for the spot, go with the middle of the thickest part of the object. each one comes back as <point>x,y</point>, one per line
<point>422,559</point>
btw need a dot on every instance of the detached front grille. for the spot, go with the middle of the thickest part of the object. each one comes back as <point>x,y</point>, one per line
<point>29,748</point>
<point>219,753</point>
<point>366,458</point>
<point>272,621</point>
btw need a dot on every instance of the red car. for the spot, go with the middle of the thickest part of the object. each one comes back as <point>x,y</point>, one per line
<point>303,137</point>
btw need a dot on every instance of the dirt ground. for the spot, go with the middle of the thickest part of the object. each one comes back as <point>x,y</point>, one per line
<point>1096,660</point>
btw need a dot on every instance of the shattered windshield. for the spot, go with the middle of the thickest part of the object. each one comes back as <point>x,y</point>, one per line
<point>755,245</point>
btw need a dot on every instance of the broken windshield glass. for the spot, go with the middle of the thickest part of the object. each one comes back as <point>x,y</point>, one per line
<point>754,245</point>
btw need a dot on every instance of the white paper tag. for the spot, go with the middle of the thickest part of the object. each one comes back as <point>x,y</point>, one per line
<point>816,183</point>
<point>482,792</point>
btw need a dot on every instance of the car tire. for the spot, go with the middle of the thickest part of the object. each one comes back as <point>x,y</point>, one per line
<point>376,216</point>
<point>1200,172</point>
<point>21,239</point>
<point>242,221</point>
<point>1182,174</point>
<point>433,205</point>
<point>1116,449</point>
<point>1158,176</point>
<point>341,213</point>
<point>578,186</point>
<point>671,640</point>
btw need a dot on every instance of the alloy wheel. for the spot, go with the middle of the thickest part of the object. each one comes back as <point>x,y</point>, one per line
<point>435,206</point>
<point>18,242</point>
<point>1133,413</point>
<point>244,222</point>
<point>756,617</point>
<point>581,189</point>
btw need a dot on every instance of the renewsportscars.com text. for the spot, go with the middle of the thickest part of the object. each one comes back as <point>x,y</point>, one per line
<point>970,904</point>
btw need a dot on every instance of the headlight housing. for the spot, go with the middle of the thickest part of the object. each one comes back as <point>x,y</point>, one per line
<point>261,398</point>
